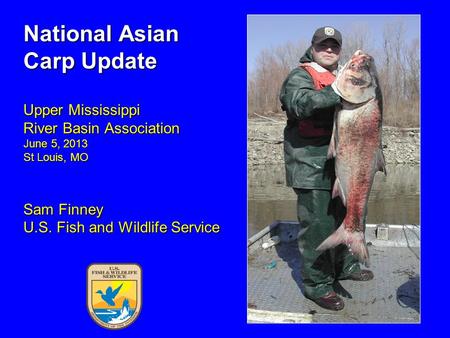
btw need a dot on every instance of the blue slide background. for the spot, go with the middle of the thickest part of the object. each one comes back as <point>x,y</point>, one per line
<point>192,284</point>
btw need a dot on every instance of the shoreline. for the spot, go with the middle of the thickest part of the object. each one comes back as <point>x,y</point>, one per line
<point>265,143</point>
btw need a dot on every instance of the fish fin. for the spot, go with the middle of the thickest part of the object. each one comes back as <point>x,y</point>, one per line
<point>332,147</point>
<point>381,164</point>
<point>337,191</point>
<point>355,241</point>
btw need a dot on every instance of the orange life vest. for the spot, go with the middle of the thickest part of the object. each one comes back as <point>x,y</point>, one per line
<point>307,126</point>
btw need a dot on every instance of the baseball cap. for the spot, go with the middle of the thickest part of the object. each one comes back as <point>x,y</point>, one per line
<point>324,33</point>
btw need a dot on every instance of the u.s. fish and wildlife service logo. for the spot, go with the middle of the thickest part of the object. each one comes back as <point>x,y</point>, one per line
<point>329,31</point>
<point>114,294</point>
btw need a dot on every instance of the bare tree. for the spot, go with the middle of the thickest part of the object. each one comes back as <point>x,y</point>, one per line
<point>400,77</point>
<point>358,38</point>
<point>398,64</point>
<point>272,67</point>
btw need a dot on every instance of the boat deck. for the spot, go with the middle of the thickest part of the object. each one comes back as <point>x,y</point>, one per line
<point>274,280</point>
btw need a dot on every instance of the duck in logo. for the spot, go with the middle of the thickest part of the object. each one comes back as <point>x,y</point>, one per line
<point>114,294</point>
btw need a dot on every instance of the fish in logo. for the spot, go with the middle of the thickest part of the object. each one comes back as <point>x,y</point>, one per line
<point>114,294</point>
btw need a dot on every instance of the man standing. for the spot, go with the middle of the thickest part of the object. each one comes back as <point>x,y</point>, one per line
<point>309,102</point>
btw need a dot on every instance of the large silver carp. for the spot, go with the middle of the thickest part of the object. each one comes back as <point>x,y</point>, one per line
<point>356,147</point>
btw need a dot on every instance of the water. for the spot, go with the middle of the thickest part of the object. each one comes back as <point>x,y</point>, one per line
<point>394,198</point>
<point>113,316</point>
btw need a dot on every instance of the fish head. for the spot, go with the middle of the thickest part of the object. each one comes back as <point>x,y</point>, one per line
<point>356,82</point>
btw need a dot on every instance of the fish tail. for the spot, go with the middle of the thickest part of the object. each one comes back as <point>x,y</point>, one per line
<point>355,241</point>
<point>338,237</point>
<point>357,246</point>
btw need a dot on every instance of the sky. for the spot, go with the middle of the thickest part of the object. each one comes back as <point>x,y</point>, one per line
<point>270,31</point>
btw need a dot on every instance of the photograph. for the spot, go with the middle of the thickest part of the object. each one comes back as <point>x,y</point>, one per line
<point>333,168</point>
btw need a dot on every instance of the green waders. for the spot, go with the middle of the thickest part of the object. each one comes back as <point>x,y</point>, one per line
<point>319,216</point>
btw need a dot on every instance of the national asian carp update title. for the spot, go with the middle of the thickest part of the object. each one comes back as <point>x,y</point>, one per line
<point>92,60</point>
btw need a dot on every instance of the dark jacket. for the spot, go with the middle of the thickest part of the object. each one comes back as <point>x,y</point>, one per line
<point>305,157</point>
